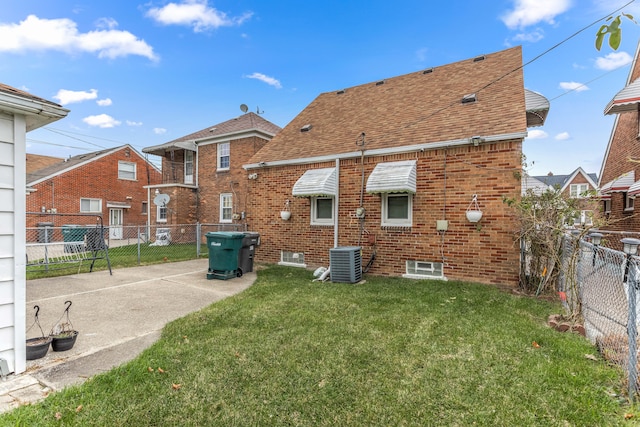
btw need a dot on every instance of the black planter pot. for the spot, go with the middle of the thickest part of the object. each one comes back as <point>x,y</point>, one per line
<point>64,341</point>
<point>37,347</point>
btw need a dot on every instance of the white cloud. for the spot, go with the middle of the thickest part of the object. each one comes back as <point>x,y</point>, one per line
<point>104,102</point>
<point>70,96</point>
<point>562,136</point>
<point>101,121</point>
<point>196,14</point>
<point>268,80</point>
<point>35,34</point>
<point>613,60</point>
<point>421,54</point>
<point>537,134</point>
<point>531,37</point>
<point>132,123</point>
<point>159,131</point>
<point>531,12</point>
<point>573,86</point>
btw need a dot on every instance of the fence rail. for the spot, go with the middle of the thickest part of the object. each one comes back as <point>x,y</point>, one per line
<point>50,248</point>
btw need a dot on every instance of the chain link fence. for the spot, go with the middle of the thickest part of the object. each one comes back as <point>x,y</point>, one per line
<point>50,247</point>
<point>603,284</point>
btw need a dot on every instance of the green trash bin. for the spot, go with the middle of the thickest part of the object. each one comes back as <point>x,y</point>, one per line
<point>224,248</point>
<point>73,236</point>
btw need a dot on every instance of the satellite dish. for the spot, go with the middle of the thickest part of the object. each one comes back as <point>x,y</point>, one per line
<point>244,108</point>
<point>161,200</point>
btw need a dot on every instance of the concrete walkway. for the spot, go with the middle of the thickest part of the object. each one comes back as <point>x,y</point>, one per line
<point>117,316</point>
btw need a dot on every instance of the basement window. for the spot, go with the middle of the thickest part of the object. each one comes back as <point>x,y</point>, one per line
<point>293,259</point>
<point>424,270</point>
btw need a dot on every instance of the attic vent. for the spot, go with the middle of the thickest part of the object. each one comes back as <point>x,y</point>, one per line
<point>306,128</point>
<point>212,129</point>
<point>471,97</point>
<point>381,82</point>
<point>479,58</point>
<point>340,92</point>
<point>428,71</point>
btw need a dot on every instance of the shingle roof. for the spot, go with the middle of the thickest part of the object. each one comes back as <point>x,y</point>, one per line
<point>559,181</point>
<point>66,164</point>
<point>37,161</point>
<point>416,108</point>
<point>13,91</point>
<point>244,123</point>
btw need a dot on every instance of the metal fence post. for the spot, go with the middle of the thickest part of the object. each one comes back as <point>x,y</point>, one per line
<point>198,238</point>
<point>139,242</point>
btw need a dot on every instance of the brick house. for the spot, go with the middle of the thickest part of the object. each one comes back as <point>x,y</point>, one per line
<point>109,182</point>
<point>20,112</point>
<point>202,172</point>
<point>576,185</point>
<point>620,172</point>
<point>394,166</point>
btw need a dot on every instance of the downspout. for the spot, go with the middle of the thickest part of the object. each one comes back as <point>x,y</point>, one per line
<point>336,205</point>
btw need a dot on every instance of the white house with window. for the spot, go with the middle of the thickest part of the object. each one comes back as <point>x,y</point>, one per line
<point>20,112</point>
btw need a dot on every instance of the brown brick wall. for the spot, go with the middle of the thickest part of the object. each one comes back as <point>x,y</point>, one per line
<point>485,252</point>
<point>97,180</point>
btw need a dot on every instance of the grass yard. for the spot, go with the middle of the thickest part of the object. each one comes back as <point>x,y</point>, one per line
<point>389,352</point>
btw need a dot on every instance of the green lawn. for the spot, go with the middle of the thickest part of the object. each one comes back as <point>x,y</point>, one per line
<point>389,352</point>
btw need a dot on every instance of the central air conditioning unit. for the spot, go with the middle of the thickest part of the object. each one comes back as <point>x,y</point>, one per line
<point>345,264</point>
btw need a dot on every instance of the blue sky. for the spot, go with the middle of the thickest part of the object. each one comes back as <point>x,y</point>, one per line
<point>146,73</point>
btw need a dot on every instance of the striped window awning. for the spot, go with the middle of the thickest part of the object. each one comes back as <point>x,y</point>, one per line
<point>620,184</point>
<point>625,100</point>
<point>634,189</point>
<point>537,107</point>
<point>393,177</point>
<point>316,182</point>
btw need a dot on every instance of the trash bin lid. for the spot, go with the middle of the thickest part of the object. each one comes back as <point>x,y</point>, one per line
<point>225,234</point>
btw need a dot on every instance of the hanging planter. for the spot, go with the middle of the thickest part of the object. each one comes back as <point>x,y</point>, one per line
<point>286,213</point>
<point>62,334</point>
<point>38,347</point>
<point>473,213</point>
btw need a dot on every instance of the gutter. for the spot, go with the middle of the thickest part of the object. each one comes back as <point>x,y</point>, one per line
<point>393,150</point>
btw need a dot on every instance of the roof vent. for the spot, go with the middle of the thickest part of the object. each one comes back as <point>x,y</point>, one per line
<point>212,129</point>
<point>306,128</point>
<point>340,92</point>
<point>471,97</point>
<point>381,82</point>
<point>479,58</point>
<point>428,71</point>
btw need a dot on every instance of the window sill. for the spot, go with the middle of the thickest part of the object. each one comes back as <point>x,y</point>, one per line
<point>292,264</point>
<point>322,224</point>
<point>423,277</point>
<point>628,210</point>
<point>161,221</point>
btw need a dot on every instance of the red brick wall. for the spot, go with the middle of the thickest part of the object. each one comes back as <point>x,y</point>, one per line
<point>96,180</point>
<point>483,252</point>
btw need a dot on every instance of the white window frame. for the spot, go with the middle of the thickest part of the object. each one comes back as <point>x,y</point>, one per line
<point>123,168</point>
<point>226,207</point>
<point>188,166</point>
<point>397,222</point>
<point>607,206</point>
<point>628,202</point>
<point>161,213</point>
<point>424,270</point>
<point>224,152</point>
<point>585,218</point>
<point>292,259</point>
<point>92,203</point>
<point>314,211</point>
<point>576,191</point>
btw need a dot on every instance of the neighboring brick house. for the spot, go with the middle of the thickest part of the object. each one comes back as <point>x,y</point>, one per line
<point>109,182</point>
<point>394,166</point>
<point>20,112</point>
<point>576,185</point>
<point>202,172</point>
<point>620,173</point>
